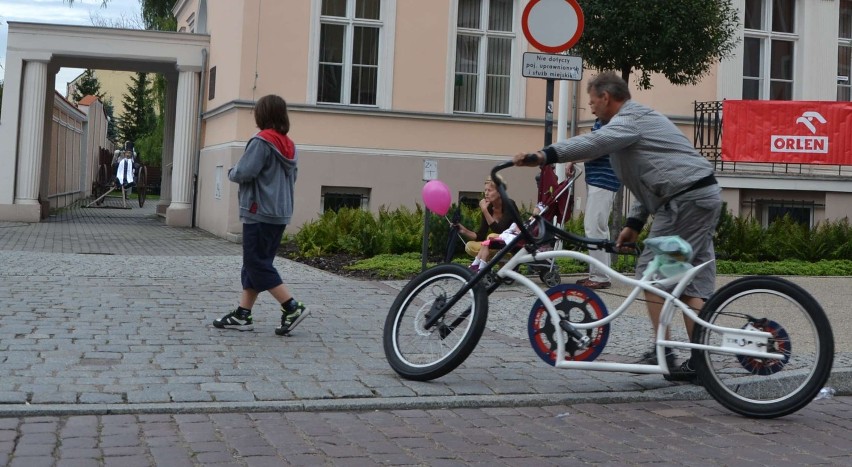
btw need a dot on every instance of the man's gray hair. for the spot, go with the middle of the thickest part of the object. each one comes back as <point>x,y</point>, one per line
<point>612,83</point>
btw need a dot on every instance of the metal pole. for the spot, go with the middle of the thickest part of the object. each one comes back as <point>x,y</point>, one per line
<point>425,252</point>
<point>548,114</point>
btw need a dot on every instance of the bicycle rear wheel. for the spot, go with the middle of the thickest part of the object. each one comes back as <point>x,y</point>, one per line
<point>422,354</point>
<point>766,388</point>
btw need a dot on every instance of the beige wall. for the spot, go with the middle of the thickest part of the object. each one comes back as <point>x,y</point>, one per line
<point>837,205</point>
<point>113,86</point>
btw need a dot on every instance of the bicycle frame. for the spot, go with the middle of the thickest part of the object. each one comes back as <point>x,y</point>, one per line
<point>739,341</point>
<point>742,342</point>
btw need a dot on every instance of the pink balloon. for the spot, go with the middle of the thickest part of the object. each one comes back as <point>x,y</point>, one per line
<point>436,195</point>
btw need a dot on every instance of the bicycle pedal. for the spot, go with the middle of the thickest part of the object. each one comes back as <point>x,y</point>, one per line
<point>583,340</point>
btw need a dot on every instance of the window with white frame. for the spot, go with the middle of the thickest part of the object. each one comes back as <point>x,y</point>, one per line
<point>483,64</point>
<point>768,49</point>
<point>844,52</point>
<point>349,42</point>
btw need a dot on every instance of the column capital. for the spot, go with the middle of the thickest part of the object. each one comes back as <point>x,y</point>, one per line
<point>38,57</point>
<point>188,68</point>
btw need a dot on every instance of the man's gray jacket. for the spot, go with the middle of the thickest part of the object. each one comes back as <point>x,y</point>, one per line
<point>649,154</point>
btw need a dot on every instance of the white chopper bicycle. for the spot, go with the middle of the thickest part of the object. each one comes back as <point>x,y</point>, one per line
<point>762,346</point>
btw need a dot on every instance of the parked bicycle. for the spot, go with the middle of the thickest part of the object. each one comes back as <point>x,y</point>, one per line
<point>762,346</point>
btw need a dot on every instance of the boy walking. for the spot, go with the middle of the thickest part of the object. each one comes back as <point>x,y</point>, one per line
<point>266,174</point>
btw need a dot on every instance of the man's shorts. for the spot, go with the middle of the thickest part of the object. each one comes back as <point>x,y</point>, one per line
<point>692,216</point>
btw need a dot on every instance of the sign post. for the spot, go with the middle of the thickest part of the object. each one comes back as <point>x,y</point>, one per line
<point>552,26</point>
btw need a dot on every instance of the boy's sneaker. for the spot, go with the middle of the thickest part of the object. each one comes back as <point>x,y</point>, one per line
<point>237,319</point>
<point>291,319</point>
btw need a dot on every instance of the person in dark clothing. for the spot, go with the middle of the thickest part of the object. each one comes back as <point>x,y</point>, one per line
<point>266,174</point>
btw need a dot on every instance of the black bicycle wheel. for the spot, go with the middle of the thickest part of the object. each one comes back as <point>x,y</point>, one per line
<point>142,185</point>
<point>422,354</point>
<point>765,388</point>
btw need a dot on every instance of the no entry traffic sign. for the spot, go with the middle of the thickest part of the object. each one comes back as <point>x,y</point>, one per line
<point>552,26</point>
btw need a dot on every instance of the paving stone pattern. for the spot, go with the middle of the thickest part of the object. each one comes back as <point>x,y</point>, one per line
<point>108,356</point>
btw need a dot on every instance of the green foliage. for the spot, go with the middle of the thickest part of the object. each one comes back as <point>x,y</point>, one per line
<point>745,239</point>
<point>150,146</point>
<point>157,14</point>
<point>740,238</point>
<point>388,266</point>
<point>392,242</point>
<point>109,110</point>
<point>138,118</point>
<point>628,35</point>
<point>358,232</point>
<point>786,268</point>
<point>87,85</point>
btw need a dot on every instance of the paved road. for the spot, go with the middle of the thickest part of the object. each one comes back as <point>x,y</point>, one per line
<point>108,357</point>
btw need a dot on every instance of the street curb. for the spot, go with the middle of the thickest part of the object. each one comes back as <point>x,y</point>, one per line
<point>840,380</point>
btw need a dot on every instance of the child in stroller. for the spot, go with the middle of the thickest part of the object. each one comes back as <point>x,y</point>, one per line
<point>555,204</point>
<point>494,242</point>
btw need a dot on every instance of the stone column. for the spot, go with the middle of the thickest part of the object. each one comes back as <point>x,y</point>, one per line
<point>179,212</point>
<point>168,144</point>
<point>31,134</point>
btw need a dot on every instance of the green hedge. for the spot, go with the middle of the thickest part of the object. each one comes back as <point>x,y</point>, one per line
<point>738,240</point>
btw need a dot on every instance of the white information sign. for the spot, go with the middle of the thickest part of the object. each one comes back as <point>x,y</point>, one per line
<point>552,66</point>
<point>430,170</point>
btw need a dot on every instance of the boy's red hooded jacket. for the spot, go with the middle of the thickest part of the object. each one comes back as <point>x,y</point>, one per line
<point>267,176</point>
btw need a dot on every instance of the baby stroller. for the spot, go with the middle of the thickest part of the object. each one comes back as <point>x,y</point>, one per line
<point>555,203</point>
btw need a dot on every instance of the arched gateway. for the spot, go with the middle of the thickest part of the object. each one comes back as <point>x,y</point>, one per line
<point>35,52</point>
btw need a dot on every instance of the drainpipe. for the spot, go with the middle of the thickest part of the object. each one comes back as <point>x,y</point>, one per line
<point>198,134</point>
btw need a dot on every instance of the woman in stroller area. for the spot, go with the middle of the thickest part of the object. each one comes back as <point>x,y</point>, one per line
<point>495,220</point>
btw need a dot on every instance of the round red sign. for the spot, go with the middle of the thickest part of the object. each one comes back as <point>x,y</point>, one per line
<point>552,26</point>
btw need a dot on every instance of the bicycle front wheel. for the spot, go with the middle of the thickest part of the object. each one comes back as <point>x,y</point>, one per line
<point>422,354</point>
<point>766,388</point>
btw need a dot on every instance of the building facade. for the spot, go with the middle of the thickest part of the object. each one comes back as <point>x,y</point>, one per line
<point>377,87</point>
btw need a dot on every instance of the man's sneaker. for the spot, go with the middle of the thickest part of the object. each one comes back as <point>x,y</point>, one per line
<point>650,358</point>
<point>685,372</point>
<point>594,284</point>
<point>237,319</point>
<point>291,319</point>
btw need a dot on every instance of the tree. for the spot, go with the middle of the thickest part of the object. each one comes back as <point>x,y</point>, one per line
<point>109,110</point>
<point>680,39</point>
<point>138,118</point>
<point>87,85</point>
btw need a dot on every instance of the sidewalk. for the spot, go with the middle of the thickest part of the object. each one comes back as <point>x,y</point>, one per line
<point>110,311</point>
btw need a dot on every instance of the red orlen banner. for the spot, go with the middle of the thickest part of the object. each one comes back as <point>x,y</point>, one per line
<point>800,132</point>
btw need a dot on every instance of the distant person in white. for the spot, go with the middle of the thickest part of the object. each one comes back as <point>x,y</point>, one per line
<point>124,173</point>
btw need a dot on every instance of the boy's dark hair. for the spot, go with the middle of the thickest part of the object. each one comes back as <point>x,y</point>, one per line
<point>611,83</point>
<point>270,111</point>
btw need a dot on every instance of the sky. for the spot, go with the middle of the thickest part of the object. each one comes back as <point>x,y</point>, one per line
<point>124,13</point>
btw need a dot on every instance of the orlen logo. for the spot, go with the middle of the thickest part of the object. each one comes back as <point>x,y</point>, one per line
<point>803,144</point>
